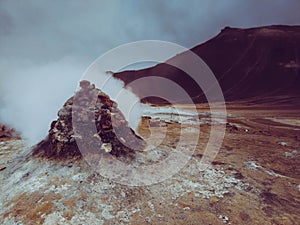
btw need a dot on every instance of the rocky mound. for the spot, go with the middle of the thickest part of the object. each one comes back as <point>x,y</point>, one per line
<point>7,133</point>
<point>91,120</point>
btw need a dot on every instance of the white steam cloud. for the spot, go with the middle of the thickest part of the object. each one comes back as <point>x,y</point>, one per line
<point>32,95</point>
<point>128,102</point>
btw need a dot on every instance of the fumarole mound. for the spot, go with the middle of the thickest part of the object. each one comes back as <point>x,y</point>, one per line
<point>92,121</point>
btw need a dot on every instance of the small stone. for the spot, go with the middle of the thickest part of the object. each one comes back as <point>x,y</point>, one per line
<point>214,199</point>
<point>106,147</point>
<point>288,155</point>
<point>97,136</point>
<point>84,84</point>
<point>283,143</point>
<point>63,113</point>
<point>224,218</point>
<point>123,194</point>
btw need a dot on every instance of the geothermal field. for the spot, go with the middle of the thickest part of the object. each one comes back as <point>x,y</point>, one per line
<point>184,163</point>
<point>255,177</point>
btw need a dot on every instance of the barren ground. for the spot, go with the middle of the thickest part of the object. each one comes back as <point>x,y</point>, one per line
<point>255,179</point>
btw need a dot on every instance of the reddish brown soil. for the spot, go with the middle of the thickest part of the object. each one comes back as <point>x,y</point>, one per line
<point>257,150</point>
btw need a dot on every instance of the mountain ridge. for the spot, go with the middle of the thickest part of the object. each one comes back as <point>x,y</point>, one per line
<point>248,63</point>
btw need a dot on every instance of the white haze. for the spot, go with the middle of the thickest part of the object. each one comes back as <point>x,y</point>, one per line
<point>32,95</point>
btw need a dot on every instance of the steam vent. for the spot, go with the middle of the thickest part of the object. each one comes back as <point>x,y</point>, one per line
<point>100,127</point>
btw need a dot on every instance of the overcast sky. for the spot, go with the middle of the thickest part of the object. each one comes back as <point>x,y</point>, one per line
<point>45,46</point>
<point>45,31</point>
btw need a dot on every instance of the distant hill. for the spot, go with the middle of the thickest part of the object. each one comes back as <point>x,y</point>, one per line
<point>248,63</point>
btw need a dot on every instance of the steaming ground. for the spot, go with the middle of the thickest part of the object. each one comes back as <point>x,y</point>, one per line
<point>31,98</point>
<point>32,94</point>
<point>253,180</point>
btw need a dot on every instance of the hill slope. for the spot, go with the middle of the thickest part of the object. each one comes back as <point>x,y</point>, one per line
<point>254,62</point>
